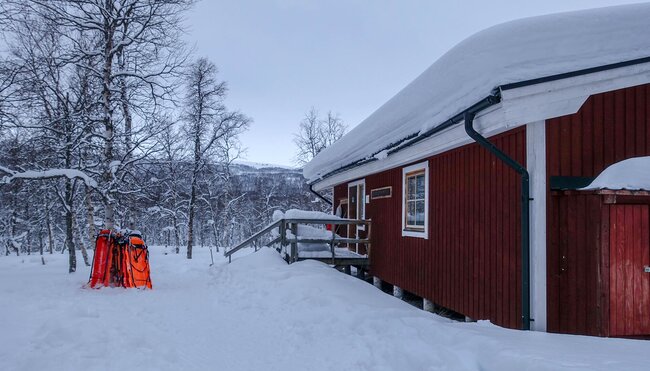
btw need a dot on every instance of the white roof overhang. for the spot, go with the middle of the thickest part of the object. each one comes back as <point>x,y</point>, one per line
<point>519,106</point>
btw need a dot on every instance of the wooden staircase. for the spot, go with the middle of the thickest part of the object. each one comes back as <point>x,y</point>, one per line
<point>288,246</point>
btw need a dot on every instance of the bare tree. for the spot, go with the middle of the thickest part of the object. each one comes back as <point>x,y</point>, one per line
<point>94,75</point>
<point>315,134</point>
<point>173,161</point>
<point>332,128</point>
<point>133,49</point>
<point>53,91</point>
<point>208,124</point>
<point>88,125</point>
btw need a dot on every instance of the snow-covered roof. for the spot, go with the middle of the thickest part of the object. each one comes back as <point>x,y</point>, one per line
<point>508,53</point>
<point>632,174</point>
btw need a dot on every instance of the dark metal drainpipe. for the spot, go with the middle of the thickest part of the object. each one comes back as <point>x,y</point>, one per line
<point>319,195</point>
<point>525,213</point>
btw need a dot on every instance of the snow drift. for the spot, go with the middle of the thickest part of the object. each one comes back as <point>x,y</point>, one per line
<point>630,174</point>
<point>259,313</point>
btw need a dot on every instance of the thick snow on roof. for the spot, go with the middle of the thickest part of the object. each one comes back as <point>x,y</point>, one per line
<point>507,53</point>
<point>630,174</point>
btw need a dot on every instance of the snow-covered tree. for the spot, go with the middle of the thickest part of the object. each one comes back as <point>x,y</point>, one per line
<point>209,128</point>
<point>104,122</point>
<point>133,50</point>
<point>95,75</point>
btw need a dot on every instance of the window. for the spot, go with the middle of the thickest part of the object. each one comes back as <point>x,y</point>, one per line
<point>415,201</point>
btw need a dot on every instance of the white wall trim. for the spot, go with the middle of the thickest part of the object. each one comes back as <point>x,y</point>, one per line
<point>536,164</point>
<point>360,201</point>
<point>420,166</point>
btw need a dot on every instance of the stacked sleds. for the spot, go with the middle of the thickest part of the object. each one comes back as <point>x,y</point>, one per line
<point>120,260</point>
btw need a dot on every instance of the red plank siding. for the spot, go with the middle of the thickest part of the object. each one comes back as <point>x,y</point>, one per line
<point>629,254</point>
<point>470,262</point>
<point>608,128</point>
<point>575,289</point>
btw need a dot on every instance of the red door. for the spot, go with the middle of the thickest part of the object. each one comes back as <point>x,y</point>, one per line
<point>629,270</point>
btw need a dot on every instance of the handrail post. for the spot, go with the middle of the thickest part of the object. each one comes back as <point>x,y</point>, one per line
<point>368,236</point>
<point>332,241</point>
<point>294,245</point>
<point>283,234</point>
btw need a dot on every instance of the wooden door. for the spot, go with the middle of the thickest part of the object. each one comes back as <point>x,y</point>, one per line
<point>629,270</point>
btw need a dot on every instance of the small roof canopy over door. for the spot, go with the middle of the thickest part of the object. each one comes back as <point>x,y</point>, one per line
<point>632,174</point>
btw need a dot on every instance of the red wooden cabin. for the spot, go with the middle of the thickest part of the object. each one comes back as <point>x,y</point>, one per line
<point>539,106</point>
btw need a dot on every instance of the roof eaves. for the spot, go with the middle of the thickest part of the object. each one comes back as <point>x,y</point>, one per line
<point>493,98</point>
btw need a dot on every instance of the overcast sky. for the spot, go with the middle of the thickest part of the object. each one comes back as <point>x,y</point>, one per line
<point>281,57</point>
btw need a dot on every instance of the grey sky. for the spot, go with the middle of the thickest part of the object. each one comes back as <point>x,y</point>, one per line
<point>281,57</point>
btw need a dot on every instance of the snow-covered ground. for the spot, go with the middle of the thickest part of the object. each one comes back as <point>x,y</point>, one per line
<point>259,314</point>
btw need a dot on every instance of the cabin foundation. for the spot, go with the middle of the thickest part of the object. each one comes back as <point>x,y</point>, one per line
<point>398,292</point>
<point>427,305</point>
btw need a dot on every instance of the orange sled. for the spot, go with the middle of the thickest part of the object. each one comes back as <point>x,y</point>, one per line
<point>120,261</point>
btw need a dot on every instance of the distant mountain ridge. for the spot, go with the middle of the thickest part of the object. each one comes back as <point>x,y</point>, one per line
<point>250,166</point>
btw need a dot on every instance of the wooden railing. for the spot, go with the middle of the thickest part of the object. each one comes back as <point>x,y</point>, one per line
<point>292,225</point>
<point>253,238</point>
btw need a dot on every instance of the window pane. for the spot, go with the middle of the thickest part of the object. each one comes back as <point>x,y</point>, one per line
<point>419,213</point>
<point>410,195</point>
<point>420,187</point>
<point>410,213</point>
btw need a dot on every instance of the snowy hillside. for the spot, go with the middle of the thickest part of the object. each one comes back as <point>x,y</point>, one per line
<point>259,314</point>
<point>262,166</point>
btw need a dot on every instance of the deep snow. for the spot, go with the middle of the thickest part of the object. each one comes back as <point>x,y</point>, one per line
<point>511,52</point>
<point>259,314</point>
<point>630,174</point>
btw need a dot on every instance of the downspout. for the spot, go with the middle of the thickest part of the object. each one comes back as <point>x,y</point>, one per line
<point>525,212</point>
<point>320,195</point>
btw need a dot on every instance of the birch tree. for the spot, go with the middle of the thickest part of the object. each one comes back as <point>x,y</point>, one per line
<point>53,91</point>
<point>94,75</point>
<point>316,133</point>
<point>135,52</point>
<point>173,161</point>
<point>208,124</point>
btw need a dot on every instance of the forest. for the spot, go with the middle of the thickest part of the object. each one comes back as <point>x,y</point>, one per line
<point>109,120</point>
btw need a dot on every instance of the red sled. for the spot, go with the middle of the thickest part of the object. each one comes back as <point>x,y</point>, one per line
<point>120,260</point>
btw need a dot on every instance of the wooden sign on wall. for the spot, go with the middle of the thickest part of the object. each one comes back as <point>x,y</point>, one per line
<point>384,192</point>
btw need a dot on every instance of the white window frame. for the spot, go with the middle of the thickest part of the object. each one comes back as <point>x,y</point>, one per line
<point>362,199</point>
<point>407,170</point>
